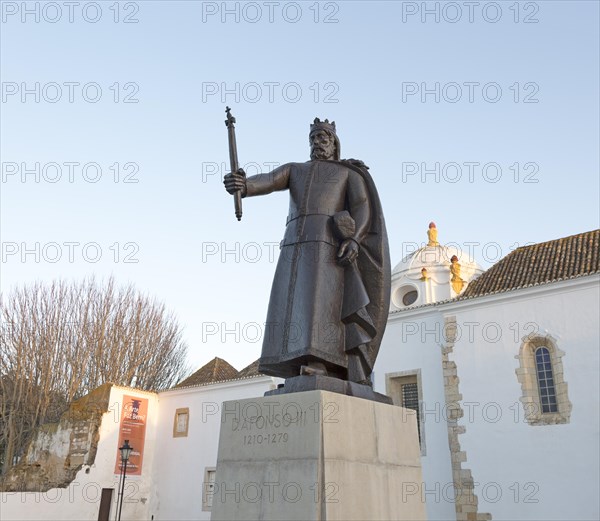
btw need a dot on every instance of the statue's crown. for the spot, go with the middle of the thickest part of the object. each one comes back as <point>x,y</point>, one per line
<point>323,125</point>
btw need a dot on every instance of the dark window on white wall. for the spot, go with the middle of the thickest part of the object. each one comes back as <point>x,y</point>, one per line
<point>544,391</point>
<point>410,400</point>
<point>405,389</point>
<point>545,380</point>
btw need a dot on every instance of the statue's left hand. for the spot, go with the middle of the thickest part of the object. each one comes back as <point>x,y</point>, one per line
<point>348,252</point>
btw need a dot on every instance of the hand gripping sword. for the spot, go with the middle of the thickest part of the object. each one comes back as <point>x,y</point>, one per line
<point>233,159</point>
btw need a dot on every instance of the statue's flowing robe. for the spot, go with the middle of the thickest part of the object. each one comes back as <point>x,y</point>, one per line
<point>319,310</point>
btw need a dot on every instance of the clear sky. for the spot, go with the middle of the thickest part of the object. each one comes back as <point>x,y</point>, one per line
<point>480,116</point>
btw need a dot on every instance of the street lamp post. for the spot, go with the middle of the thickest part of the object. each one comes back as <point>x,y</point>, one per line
<point>125,453</point>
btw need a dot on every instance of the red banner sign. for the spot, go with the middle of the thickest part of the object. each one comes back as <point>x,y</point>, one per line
<point>134,413</point>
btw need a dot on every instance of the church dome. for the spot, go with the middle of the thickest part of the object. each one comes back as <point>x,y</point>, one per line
<point>429,257</point>
<point>432,273</point>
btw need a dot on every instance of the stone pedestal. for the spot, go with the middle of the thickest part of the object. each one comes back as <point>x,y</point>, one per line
<point>317,455</point>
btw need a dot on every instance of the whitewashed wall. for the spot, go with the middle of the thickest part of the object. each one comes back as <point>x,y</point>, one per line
<point>531,472</point>
<point>180,462</point>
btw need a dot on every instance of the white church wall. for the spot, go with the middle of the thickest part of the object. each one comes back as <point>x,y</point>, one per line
<point>525,471</point>
<point>80,501</point>
<point>412,341</point>
<point>180,462</point>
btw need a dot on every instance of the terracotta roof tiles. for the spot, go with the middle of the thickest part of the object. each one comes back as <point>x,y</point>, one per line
<point>541,263</point>
<point>250,370</point>
<point>217,370</point>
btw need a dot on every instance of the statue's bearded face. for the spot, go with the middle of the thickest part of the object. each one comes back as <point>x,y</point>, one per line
<point>322,145</point>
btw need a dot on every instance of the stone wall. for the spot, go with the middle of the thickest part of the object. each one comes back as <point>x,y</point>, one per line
<point>59,450</point>
<point>466,501</point>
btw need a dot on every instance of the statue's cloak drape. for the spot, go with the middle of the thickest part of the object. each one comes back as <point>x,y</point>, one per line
<point>373,265</point>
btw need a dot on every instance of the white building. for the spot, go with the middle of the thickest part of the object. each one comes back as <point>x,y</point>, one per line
<point>502,435</point>
<point>502,367</point>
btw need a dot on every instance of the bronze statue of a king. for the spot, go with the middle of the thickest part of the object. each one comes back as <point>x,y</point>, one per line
<point>330,296</point>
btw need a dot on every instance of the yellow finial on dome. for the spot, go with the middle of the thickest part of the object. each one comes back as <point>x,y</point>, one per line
<point>432,235</point>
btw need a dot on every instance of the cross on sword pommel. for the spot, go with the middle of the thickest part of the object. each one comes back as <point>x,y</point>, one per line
<point>230,119</point>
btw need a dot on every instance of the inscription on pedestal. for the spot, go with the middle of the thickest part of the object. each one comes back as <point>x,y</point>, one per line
<point>259,429</point>
<point>312,455</point>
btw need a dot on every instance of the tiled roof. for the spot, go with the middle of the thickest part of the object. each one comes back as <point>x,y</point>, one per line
<point>217,370</point>
<point>250,370</point>
<point>541,263</point>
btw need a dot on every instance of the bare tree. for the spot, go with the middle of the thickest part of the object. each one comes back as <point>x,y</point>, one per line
<point>60,341</point>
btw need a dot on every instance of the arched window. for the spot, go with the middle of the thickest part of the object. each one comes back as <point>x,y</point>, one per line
<point>545,380</point>
<point>544,390</point>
